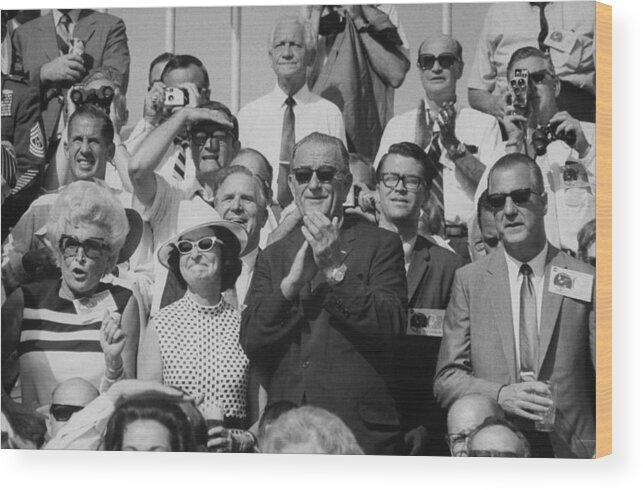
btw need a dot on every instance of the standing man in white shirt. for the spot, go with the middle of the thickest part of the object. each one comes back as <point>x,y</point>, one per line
<point>460,141</point>
<point>273,123</point>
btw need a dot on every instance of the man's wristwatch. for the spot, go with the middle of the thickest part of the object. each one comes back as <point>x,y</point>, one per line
<point>335,275</point>
<point>456,152</point>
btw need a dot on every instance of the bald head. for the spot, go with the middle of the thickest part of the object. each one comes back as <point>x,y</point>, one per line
<point>440,66</point>
<point>74,391</point>
<point>498,440</point>
<point>439,39</point>
<point>464,416</point>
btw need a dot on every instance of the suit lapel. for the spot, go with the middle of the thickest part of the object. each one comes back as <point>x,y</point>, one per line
<point>86,26</point>
<point>49,37</point>
<point>551,305</point>
<point>418,268</point>
<point>499,294</point>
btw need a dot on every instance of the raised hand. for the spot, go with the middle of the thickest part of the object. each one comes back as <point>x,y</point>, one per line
<point>65,68</point>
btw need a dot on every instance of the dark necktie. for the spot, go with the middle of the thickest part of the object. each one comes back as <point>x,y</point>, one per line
<point>544,27</point>
<point>528,326</point>
<point>63,36</point>
<point>284,196</point>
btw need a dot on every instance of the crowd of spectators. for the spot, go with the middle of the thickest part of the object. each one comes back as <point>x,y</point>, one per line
<point>317,273</point>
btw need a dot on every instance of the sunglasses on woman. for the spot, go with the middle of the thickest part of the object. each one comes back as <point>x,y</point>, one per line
<point>519,197</point>
<point>93,248</point>
<point>204,244</point>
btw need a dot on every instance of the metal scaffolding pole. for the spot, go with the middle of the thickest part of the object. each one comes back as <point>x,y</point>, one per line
<point>170,22</point>
<point>447,22</point>
<point>235,71</point>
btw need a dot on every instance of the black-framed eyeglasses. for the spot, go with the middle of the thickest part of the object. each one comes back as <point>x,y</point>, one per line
<point>446,60</point>
<point>481,453</point>
<point>519,197</point>
<point>325,174</point>
<point>539,77</point>
<point>93,247</point>
<point>204,244</point>
<point>410,182</point>
<point>62,413</point>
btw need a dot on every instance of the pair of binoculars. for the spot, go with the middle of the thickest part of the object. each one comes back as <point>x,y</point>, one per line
<point>101,97</point>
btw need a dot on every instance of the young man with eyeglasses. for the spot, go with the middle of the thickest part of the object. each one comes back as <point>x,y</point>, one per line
<point>508,329</point>
<point>213,137</point>
<point>404,179</point>
<point>460,141</point>
<point>562,146</point>
<point>327,301</point>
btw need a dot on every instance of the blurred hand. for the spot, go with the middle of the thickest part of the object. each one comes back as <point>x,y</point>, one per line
<point>514,126</point>
<point>112,337</point>
<point>446,121</point>
<point>153,109</point>
<point>65,68</point>
<point>41,258</point>
<point>221,440</point>
<point>567,125</point>
<point>415,440</point>
<point>322,234</point>
<point>28,424</point>
<point>530,399</point>
<point>302,271</point>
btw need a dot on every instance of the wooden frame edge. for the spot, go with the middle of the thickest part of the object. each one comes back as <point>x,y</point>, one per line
<point>603,229</point>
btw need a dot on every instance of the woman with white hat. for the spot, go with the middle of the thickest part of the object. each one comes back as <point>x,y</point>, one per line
<point>193,343</point>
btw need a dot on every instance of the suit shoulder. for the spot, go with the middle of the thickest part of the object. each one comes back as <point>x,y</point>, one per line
<point>572,263</point>
<point>103,18</point>
<point>442,255</point>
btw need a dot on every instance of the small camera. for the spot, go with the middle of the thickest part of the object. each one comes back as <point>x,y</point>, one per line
<point>101,98</point>
<point>176,97</point>
<point>543,135</point>
<point>519,84</point>
<point>77,46</point>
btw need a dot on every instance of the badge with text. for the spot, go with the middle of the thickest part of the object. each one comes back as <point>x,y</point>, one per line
<point>7,100</point>
<point>425,322</point>
<point>96,304</point>
<point>561,40</point>
<point>572,284</point>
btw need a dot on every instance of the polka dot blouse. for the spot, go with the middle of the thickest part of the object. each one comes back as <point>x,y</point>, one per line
<point>201,353</point>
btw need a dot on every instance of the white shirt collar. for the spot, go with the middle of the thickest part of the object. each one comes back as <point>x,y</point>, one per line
<point>301,97</point>
<point>537,264</point>
<point>73,15</point>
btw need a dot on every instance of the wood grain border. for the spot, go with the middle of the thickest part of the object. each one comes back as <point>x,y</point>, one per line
<point>603,229</point>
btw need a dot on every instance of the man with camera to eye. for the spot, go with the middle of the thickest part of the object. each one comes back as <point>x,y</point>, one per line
<point>562,146</point>
<point>404,179</point>
<point>460,141</point>
<point>212,133</point>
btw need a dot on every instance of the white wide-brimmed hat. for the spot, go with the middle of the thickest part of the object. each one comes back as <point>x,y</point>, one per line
<point>197,214</point>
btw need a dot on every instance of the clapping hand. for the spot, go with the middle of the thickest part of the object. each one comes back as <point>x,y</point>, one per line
<point>112,337</point>
<point>446,121</point>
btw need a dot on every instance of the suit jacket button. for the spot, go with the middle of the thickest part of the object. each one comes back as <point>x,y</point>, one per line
<point>305,364</point>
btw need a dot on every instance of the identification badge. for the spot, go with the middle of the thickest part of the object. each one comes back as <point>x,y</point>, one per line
<point>573,284</point>
<point>96,304</point>
<point>425,322</point>
<point>561,40</point>
<point>574,175</point>
<point>7,100</point>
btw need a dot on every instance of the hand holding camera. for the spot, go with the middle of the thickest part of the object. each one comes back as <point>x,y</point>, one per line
<point>65,68</point>
<point>567,128</point>
<point>153,108</point>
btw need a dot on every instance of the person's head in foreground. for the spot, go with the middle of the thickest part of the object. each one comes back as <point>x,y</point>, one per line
<point>309,430</point>
<point>87,228</point>
<point>320,178</point>
<point>485,238</point>
<point>69,397</point>
<point>204,254</point>
<point>271,413</point>
<point>497,438</point>
<point>154,423</point>
<point>519,202</point>
<point>467,413</point>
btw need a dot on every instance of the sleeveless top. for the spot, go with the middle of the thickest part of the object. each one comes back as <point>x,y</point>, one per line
<point>201,353</point>
<point>56,343</point>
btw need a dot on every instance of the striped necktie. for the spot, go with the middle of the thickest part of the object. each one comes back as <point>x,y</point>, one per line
<point>63,36</point>
<point>178,172</point>
<point>437,188</point>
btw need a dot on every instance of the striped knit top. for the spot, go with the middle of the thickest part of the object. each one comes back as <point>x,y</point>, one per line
<point>56,343</point>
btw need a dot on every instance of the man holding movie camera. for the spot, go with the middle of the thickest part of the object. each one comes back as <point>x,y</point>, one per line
<point>562,146</point>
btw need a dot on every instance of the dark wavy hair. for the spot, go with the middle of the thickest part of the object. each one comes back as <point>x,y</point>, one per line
<point>230,261</point>
<point>188,431</point>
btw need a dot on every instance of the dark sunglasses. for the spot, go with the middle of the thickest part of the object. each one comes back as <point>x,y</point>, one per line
<point>410,182</point>
<point>446,60</point>
<point>492,454</point>
<point>93,248</point>
<point>62,413</point>
<point>325,174</point>
<point>519,197</point>
<point>204,244</point>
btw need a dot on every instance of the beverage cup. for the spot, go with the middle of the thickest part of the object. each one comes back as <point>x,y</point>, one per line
<point>549,418</point>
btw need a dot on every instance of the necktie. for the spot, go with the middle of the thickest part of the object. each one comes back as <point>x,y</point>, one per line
<point>528,327</point>
<point>437,189</point>
<point>284,196</point>
<point>544,27</point>
<point>63,36</point>
<point>178,172</point>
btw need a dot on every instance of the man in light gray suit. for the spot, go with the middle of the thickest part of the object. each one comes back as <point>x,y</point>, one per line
<point>511,327</point>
